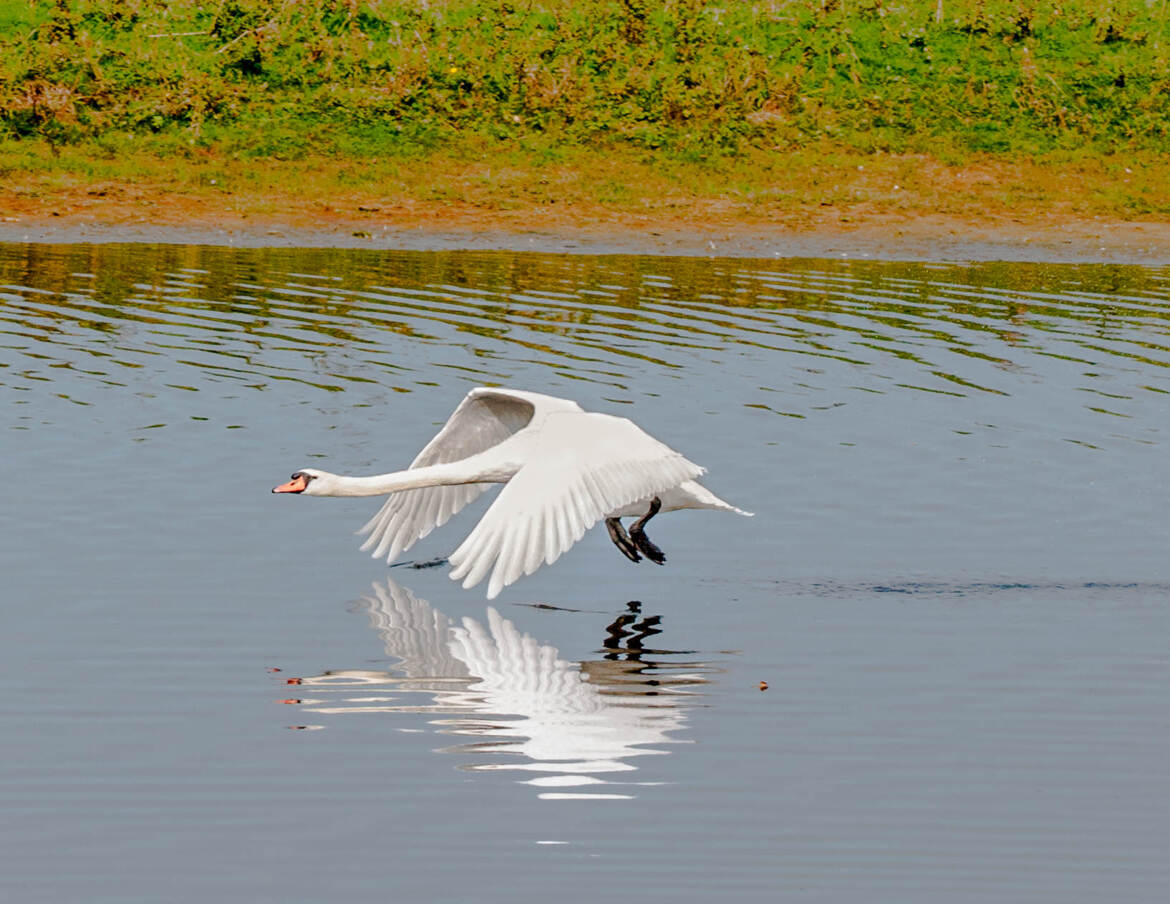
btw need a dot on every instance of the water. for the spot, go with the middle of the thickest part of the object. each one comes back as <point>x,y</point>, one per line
<point>953,592</point>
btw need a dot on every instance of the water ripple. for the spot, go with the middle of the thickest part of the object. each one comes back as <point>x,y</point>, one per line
<point>252,318</point>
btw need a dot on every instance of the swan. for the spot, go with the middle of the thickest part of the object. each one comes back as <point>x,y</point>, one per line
<point>564,470</point>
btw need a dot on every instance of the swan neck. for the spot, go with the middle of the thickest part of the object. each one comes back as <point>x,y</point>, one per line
<point>412,479</point>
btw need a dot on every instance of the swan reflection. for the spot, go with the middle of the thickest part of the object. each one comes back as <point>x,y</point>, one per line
<point>568,724</point>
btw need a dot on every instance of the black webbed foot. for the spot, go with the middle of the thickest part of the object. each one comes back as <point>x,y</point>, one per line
<point>621,539</point>
<point>648,549</point>
<point>641,541</point>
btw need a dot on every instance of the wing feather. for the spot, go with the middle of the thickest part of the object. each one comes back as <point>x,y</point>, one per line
<point>584,466</point>
<point>485,418</point>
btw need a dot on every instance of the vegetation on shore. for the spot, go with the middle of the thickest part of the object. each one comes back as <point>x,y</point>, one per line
<point>675,83</point>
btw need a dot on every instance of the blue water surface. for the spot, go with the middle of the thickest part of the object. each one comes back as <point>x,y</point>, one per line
<point>932,668</point>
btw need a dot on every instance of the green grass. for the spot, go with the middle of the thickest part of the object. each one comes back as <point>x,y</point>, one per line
<point>686,79</point>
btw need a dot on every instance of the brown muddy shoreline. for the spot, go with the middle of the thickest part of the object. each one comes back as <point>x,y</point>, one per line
<point>136,215</point>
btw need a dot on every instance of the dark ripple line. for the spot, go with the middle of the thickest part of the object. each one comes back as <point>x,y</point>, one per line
<point>943,588</point>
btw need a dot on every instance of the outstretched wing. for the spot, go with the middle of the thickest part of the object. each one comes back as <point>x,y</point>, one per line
<point>584,466</point>
<point>485,418</point>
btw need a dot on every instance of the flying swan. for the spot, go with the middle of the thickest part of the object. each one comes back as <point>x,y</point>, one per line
<point>565,470</point>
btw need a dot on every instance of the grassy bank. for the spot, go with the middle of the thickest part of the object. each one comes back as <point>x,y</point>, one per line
<point>718,98</point>
<point>265,77</point>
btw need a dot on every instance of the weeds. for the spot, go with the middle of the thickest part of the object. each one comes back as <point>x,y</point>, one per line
<point>685,78</point>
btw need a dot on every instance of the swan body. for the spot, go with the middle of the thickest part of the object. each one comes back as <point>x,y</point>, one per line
<point>564,469</point>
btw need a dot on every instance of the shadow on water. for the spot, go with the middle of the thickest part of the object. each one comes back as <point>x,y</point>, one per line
<point>574,725</point>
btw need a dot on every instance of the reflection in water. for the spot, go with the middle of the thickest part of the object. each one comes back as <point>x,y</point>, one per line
<point>79,319</point>
<point>574,725</point>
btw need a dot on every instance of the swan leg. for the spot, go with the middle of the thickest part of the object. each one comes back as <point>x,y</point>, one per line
<point>621,539</point>
<point>638,534</point>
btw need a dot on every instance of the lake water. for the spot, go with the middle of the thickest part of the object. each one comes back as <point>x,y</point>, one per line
<point>954,588</point>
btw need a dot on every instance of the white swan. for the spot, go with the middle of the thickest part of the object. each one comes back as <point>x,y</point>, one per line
<point>565,470</point>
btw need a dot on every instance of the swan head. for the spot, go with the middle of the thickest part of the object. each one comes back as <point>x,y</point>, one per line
<point>308,481</point>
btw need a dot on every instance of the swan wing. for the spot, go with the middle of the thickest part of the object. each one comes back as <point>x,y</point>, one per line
<point>583,467</point>
<point>485,418</point>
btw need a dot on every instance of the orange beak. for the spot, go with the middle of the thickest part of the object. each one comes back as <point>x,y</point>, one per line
<point>296,485</point>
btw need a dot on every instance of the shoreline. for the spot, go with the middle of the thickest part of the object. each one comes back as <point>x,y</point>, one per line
<point>133,214</point>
